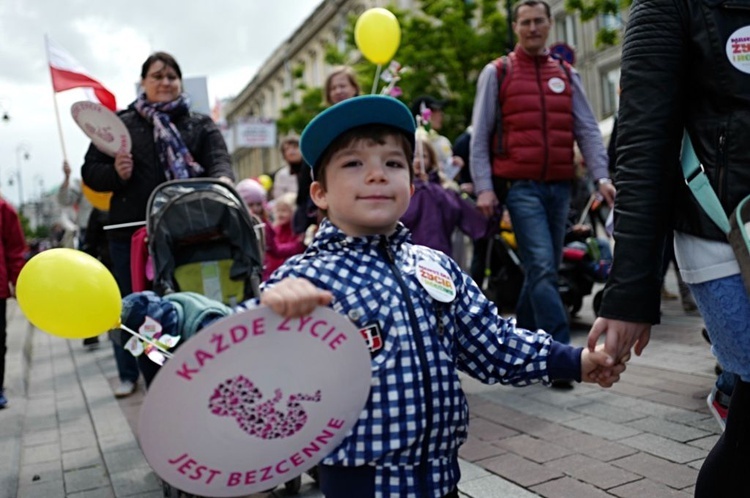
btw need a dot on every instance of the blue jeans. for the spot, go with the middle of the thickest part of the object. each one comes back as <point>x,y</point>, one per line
<point>539,213</point>
<point>725,308</point>
<point>119,250</point>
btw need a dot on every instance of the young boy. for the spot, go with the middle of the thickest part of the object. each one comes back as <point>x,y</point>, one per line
<point>424,318</point>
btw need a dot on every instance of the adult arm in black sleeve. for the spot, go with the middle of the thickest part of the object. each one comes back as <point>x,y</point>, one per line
<point>212,152</point>
<point>98,171</point>
<point>650,123</point>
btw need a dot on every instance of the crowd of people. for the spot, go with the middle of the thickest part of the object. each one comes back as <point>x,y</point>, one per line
<point>372,169</point>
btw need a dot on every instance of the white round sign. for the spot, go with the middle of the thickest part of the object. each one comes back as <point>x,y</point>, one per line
<point>106,131</point>
<point>253,401</point>
<point>556,84</point>
<point>436,281</point>
<point>738,49</point>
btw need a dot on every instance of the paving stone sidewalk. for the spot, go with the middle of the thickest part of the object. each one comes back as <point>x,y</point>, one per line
<point>65,435</point>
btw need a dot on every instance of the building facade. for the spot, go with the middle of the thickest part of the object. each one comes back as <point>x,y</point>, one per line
<point>273,87</point>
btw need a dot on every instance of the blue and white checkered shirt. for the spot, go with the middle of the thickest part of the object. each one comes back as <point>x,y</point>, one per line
<point>416,416</point>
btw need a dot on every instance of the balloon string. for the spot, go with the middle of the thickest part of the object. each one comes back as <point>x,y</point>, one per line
<point>153,343</point>
<point>377,77</point>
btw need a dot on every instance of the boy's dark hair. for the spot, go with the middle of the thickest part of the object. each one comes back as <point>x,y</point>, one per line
<point>530,3</point>
<point>164,57</point>
<point>376,133</point>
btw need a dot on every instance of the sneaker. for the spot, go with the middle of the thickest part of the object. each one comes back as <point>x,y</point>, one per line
<point>667,295</point>
<point>125,389</point>
<point>689,306</point>
<point>3,399</point>
<point>91,343</point>
<point>718,405</point>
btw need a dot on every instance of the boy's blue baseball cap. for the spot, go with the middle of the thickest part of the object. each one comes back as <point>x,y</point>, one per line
<point>327,126</point>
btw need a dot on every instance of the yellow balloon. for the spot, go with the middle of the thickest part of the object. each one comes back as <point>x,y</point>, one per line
<point>69,294</point>
<point>378,35</point>
<point>100,200</point>
<point>266,181</point>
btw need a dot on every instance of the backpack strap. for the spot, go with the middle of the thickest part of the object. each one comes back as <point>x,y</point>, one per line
<point>504,67</point>
<point>565,67</point>
<point>696,179</point>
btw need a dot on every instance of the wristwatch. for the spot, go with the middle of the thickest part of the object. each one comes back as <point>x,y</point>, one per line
<point>603,181</point>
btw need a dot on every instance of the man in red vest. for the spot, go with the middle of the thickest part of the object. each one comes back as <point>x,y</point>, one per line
<point>529,110</point>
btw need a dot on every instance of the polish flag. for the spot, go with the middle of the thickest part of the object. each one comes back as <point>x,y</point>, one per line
<point>68,73</point>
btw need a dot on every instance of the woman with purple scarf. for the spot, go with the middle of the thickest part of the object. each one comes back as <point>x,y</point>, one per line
<point>169,142</point>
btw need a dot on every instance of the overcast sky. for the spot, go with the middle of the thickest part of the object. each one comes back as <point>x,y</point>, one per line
<point>224,40</point>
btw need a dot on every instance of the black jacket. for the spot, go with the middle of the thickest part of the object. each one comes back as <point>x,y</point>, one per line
<point>129,198</point>
<point>685,65</point>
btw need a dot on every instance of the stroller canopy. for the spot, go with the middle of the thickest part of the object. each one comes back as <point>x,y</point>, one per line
<point>195,220</point>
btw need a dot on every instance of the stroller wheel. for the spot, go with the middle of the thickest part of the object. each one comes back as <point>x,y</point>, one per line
<point>293,486</point>
<point>597,302</point>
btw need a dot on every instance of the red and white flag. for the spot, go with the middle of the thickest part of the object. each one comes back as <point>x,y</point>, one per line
<point>68,73</point>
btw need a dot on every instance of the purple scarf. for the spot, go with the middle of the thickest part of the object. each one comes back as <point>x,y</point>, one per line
<point>174,155</point>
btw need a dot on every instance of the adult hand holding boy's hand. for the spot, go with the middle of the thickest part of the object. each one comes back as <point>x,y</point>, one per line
<point>295,297</point>
<point>620,336</point>
<point>599,367</point>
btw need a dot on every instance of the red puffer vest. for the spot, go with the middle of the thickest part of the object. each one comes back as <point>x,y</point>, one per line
<point>537,119</point>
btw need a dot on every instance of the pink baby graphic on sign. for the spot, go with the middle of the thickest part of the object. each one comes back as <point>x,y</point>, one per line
<point>253,401</point>
<point>240,399</point>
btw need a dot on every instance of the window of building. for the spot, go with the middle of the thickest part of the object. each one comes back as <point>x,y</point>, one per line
<point>610,98</point>
<point>271,101</point>
<point>565,29</point>
<point>314,69</point>
<point>609,21</point>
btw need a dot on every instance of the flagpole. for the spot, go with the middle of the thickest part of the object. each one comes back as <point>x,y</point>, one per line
<point>54,100</point>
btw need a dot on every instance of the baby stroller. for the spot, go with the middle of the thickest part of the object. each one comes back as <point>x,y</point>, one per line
<point>503,276</point>
<point>201,238</point>
<point>586,260</point>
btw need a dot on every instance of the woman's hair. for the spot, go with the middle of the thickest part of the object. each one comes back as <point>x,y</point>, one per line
<point>429,151</point>
<point>348,72</point>
<point>164,57</point>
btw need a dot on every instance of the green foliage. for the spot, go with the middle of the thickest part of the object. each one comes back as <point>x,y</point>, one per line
<point>606,37</point>
<point>296,116</point>
<point>589,9</point>
<point>42,232</point>
<point>28,233</point>
<point>443,47</point>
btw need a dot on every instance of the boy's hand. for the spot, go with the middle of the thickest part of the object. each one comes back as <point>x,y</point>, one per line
<point>295,297</point>
<point>599,367</point>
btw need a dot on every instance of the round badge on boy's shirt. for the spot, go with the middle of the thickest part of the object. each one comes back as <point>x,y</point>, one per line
<point>556,85</point>
<point>436,281</point>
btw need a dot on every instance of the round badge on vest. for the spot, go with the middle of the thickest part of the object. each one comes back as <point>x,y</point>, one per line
<point>557,85</point>
<point>436,281</point>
